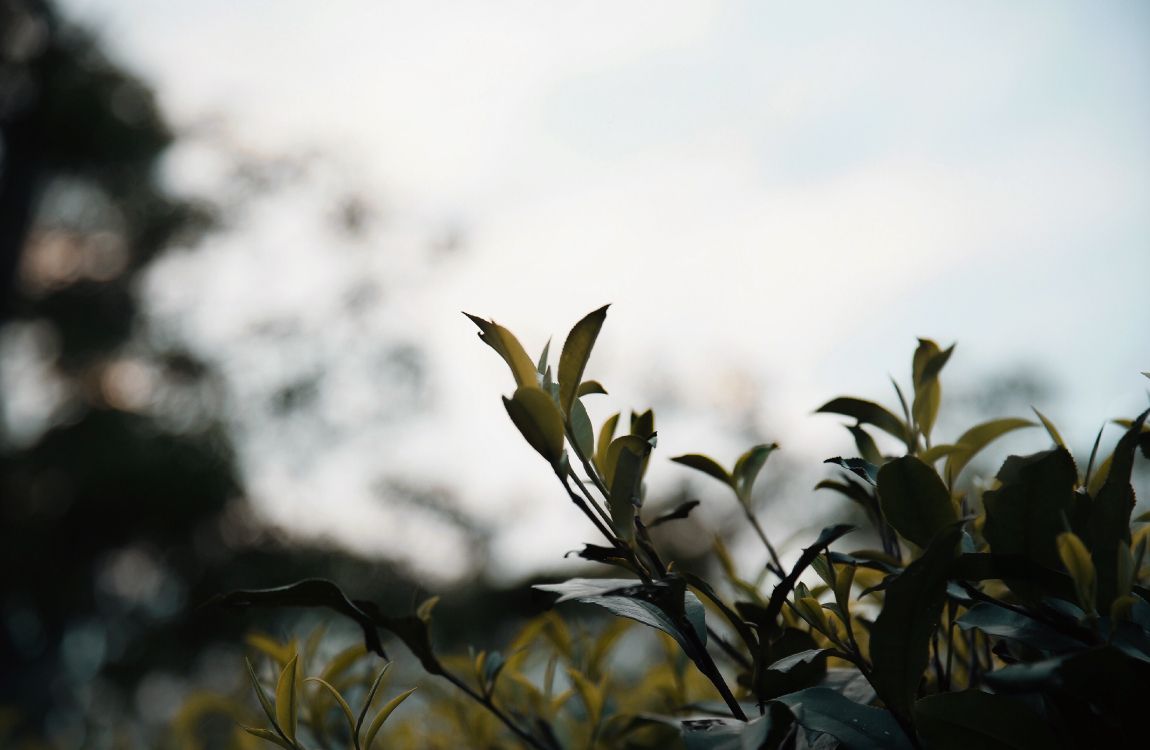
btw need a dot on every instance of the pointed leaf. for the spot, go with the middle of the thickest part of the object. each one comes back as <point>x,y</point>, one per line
<point>914,500</point>
<point>977,438</point>
<point>865,470</point>
<point>928,362</point>
<point>538,419</point>
<point>286,708</point>
<point>265,702</point>
<point>581,429</point>
<point>339,700</point>
<point>1050,428</point>
<point>508,347</point>
<point>541,365</point>
<point>576,352</point>
<point>381,717</point>
<point>1110,513</point>
<point>855,726</point>
<point>370,698</point>
<point>1076,558</point>
<point>707,465</point>
<point>590,387</point>
<point>868,449</point>
<point>269,736</point>
<point>606,437</point>
<point>867,412</point>
<point>748,466</point>
<point>682,510</point>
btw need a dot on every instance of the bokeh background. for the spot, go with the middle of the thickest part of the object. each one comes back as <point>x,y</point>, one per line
<point>236,239</point>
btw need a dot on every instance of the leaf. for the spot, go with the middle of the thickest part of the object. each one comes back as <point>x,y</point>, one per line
<point>867,412</point>
<point>606,436</point>
<point>707,465</point>
<point>265,702</point>
<point>269,736</point>
<point>1110,513</point>
<point>747,469</point>
<point>1026,513</point>
<point>866,445</point>
<point>541,365</point>
<point>1050,428</point>
<point>624,473</point>
<point>581,429</point>
<point>914,500</point>
<point>900,637</point>
<point>665,605</point>
<point>576,352</point>
<point>975,439</point>
<point>508,347</point>
<point>1004,623</point>
<point>974,719</point>
<point>312,592</point>
<point>786,664</point>
<point>855,726</point>
<point>381,717</point>
<point>733,618</point>
<point>1076,558</point>
<point>339,700</point>
<point>865,470</point>
<point>367,701</point>
<point>538,419</point>
<point>682,510</point>
<point>286,708</point>
<point>590,387</point>
<point>928,362</point>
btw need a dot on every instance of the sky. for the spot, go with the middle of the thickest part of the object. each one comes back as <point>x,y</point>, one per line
<point>776,198</point>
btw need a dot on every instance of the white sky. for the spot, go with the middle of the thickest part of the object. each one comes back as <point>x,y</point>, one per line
<point>777,198</point>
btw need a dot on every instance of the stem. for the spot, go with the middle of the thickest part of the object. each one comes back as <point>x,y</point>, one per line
<point>590,500</point>
<point>707,666</point>
<point>624,550</point>
<point>523,736</point>
<point>775,565</point>
<point>726,647</point>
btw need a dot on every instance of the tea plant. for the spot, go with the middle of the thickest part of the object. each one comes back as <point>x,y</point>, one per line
<point>1015,617</point>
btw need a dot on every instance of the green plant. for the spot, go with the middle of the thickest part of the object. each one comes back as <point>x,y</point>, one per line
<point>1015,617</point>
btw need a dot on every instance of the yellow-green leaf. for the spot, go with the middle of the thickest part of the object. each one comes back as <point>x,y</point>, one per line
<point>590,387</point>
<point>508,347</point>
<point>576,352</point>
<point>538,419</point>
<point>268,736</point>
<point>265,702</point>
<point>370,697</point>
<point>339,700</point>
<point>977,438</point>
<point>286,713</point>
<point>928,362</point>
<point>1076,558</point>
<point>606,435</point>
<point>1050,428</point>
<point>386,711</point>
<point>591,695</point>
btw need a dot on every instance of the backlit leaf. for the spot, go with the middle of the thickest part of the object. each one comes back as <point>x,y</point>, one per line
<point>977,438</point>
<point>381,717</point>
<point>867,412</point>
<point>538,419</point>
<point>707,465</point>
<point>576,352</point>
<point>508,347</point>
<point>286,708</point>
<point>1076,558</point>
<point>747,468</point>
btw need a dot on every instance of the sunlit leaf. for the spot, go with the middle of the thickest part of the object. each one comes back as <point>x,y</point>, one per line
<point>286,708</point>
<point>382,716</point>
<point>508,347</point>
<point>975,439</point>
<point>576,352</point>
<point>539,421</point>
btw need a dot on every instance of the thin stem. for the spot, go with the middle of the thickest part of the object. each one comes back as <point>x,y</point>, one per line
<point>627,553</point>
<point>726,647</point>
<point>775,565</point>
<point>519,732</point>
<point>590,500</point>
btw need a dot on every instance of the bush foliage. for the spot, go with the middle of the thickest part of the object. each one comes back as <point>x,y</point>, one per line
<point>1014,616</point>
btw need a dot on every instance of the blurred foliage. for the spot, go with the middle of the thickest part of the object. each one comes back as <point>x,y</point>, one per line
<point>1014,615</point>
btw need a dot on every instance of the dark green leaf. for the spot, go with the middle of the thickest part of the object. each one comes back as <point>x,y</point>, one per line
<point>314,592</point>
<point>1028,511</point>
<point>860,468</point>
<point>866,445</point>
<point>783,590</point>
<point>707,465</point>
<point>681,511</point>
<point>914,500</point>
<point>900,638</point>
<point>626,458</point>
<point>576,352</point>
<point>1110,514</point>
<point>973,719</point>
<point>855,726</point>
<point>1005,623</point>
<point>787,663</point>
<point>733,618</point>
<point>868,412</point>
<point>581,429</point>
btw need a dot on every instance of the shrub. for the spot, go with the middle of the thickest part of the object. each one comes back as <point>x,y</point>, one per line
<point>1014,617</point>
